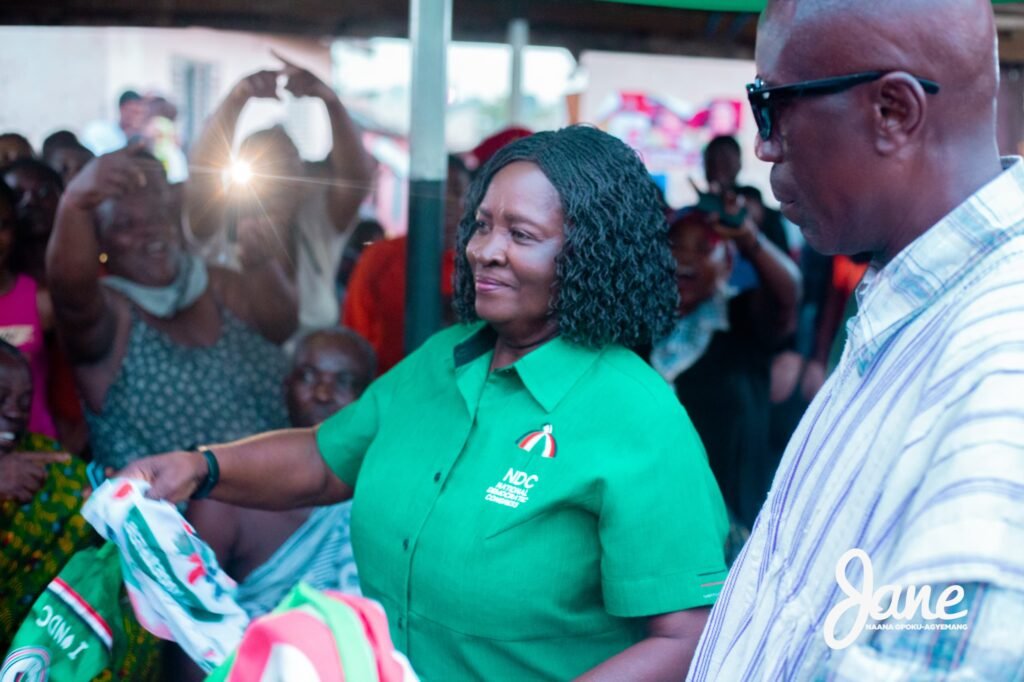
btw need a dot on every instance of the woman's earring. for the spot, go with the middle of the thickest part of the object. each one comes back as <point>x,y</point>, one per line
<point>104,258</point>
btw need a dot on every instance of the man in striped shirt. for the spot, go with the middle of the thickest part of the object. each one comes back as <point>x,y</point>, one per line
<point>880,121</point>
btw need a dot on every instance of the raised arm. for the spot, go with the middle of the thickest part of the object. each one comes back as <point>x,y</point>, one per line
<point>777,300</point>
<point>83,313</point>
<point>351,166</point>
<point>204,201</point>
<point>281,469</point>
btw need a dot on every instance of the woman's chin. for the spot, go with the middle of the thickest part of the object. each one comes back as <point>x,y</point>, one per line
<point>492,314</point>
<point>157,277</point>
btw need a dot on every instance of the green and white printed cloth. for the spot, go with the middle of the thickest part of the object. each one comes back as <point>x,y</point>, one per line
<point>176,587</point>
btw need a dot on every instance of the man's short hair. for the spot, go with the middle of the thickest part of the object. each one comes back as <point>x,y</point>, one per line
<point>722,142</point>
<point>128,96</point>
<point>362,345</point>
<point>59,140</point>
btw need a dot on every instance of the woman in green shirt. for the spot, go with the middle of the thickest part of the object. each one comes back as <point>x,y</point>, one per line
<point>531,502</point>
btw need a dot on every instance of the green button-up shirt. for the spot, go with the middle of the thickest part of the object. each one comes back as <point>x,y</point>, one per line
<point>516,524</point>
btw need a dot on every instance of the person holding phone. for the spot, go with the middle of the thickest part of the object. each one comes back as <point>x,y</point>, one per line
<point>303,211</point>
<point>718,356</point>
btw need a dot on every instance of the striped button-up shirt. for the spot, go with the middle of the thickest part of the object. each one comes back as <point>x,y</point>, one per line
<point>913,452</point>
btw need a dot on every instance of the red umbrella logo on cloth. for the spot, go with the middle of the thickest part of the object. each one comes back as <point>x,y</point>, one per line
<point>530,440</point>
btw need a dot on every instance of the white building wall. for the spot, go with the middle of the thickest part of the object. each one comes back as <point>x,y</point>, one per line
<point>65,77</point>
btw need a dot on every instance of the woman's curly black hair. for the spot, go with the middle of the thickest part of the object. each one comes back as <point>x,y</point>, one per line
<point>615,274</point>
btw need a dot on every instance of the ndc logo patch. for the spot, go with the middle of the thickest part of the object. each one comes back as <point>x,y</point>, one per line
<point>543,439</point>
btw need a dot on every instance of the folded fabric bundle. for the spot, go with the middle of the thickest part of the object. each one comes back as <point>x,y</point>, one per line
<point>176,587</point>
<point>315,636</point>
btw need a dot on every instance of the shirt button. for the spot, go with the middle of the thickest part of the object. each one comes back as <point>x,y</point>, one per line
<point>405,543</point>
<point>437,477</point>
<point>401,623</point>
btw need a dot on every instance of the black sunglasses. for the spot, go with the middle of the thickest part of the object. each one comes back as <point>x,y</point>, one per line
<point>763,98</point>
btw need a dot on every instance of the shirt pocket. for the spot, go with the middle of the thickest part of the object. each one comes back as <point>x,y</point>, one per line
<point>514,488</point>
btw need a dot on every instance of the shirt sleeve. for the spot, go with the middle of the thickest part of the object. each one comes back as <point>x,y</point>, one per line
<point>986,644</point>
<point>344,438</point>
<point>662,524</point>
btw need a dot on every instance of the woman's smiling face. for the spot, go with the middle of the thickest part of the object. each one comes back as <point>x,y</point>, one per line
<point>141,236</point>
<point>517,236</point>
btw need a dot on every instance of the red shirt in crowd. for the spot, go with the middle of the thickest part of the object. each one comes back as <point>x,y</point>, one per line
<point>375,301</point>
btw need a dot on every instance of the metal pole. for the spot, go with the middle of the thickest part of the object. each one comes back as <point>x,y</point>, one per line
<point>430,24</point>
<point>518,38</point>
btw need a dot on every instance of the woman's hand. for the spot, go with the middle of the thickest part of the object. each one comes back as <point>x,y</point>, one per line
<point>109,176</point>
<point>173,476</point>
<point>22,474</point>
<point>747,237</point>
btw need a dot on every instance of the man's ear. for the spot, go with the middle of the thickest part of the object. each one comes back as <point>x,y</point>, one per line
<point>900,108</point>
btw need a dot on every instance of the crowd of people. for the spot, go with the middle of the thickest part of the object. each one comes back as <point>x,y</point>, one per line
<point>623,423</point>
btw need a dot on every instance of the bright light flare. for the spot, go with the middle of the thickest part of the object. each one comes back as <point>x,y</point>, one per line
<point>240,172</point>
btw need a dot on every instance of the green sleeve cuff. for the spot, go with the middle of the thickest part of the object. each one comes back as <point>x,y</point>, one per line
<point>651,595</point>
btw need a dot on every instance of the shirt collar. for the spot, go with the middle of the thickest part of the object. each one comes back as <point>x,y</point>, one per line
<point>547,372</point>
<point>935,262</point>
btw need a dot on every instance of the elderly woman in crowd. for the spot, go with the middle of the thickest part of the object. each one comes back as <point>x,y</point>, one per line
<point>269,552</point>
<point>166,351</point>
<point>531,501</point>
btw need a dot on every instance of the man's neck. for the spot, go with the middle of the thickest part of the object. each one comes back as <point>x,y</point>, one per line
<point>952,183</point>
